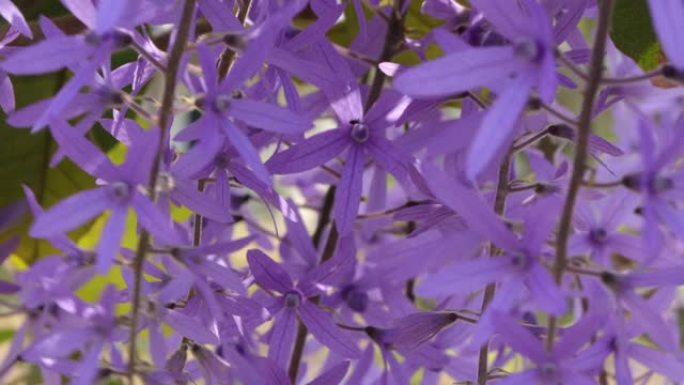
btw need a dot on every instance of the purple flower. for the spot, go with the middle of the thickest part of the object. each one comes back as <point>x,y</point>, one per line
<point>119,191</point>
<point>526,62</point>
<point>292,303</point>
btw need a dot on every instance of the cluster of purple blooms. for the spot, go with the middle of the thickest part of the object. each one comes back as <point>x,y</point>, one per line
<point>354,220</point>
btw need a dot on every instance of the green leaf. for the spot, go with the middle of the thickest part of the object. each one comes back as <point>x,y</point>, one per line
<point>25,160</point>
<point>633,33</point>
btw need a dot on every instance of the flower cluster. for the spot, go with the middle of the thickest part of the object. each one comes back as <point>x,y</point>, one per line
<point>471,192</point>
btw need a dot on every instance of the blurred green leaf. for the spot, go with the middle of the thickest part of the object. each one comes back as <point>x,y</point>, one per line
<point>633,33</point>
<point>418,23</point>
<point>6,335</point>
<point>25,159</point>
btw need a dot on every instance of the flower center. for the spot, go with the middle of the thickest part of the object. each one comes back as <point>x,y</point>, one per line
<point>598,236</point>
<point>561,131</point>
<point>165,183</point>
<point>520,260</point>
<point>121,190</point>
<point>356,299</point>
<point>360,131</point>
<point>292,300</point>
<point>549,371</point>
<point>109,96</point>
<point>654,184</point>
<point>672,72</point>
<point>235,41</point>
<point>528,50</point>
<point>221,103</point>
<point>545,189</point>
<point>120,38</point>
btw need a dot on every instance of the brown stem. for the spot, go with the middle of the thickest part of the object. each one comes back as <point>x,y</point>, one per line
<point>228,55</point>
<point>490,290</point>
<point>393,38</point>
<point>165,117</point>
<point>581,149</point>
<point>328,249</point>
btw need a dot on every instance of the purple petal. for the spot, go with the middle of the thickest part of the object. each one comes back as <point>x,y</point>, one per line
<point>463,277</point>
<point>597,143</point>
<point>7,103</point>
<point>458,72</point>
<point>268,117</point>
<point>310,153</point>
<point>219,15</point>
<point>509,18</point>
<point>110,240</point>
<point>389,157</point>
<point>323,328</point>
<point>667,15</point>
<point>12,14</point>
<point>671,276</point>
<point>200,202</point>
<point>189,327</point>
<point>71,212</point>
<point>496,132</point>
<point>246,149</point>
<point>268,273</point>
<point>108,14</point>
<point>348,195</point>
<point>153,220</point>
<point>667,365</point>
<point>84,76</point>
<point>545,291</point>
<point>282,337</point>
<point>467,203</point>
<point>518,338</point>
<point>202,154</point>
<point>84,10</point>
<point>47,56</point>
<point>333,376</point>
<point>81,151</point>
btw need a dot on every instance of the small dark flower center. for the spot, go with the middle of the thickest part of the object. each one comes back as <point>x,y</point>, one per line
<point>292,300</point>
<point>549,371</point>
<point>672,72</point>
<point>222,161</point>
<point>481,35</point>
<point>598,236</point>
<point>221,103</point>
<point>356,299</point>
<point>120,38</point>
<point>235,41</point>
<point>360,131</point>
<point>611,280</point>
<point>109,96</point>
<point>520,260</point>
<point>121,190</point>
<point>561,131</point>
<point>655,184</point>
<point>528,50</point>
<point>545,188</point>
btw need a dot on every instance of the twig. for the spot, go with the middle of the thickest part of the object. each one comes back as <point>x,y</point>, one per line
<point>165,112</point>
<point>581,151</point>
<point>632,79</point>
<point>393,38</point>
<point>490,290</point>
<point>228,55</point>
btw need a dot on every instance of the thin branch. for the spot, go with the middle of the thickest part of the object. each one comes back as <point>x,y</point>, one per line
<point>490,290</point>
<point>228,55</point>
<point>633,79</point>
<point>165,118</point>
<point>581,150</point>
<point>392,42</point>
